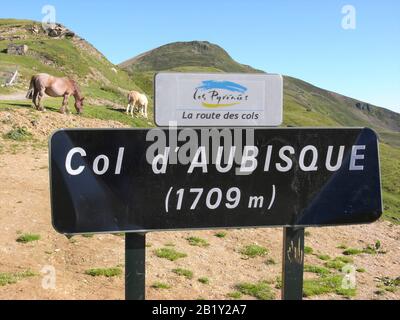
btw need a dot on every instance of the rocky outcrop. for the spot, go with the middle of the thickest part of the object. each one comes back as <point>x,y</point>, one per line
<point>52,30</point>
<point>363,106</point>
<point>59,31</point>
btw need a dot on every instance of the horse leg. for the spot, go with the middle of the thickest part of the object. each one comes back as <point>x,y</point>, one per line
<point>128,108</point>
<point>40,98</point>
<point>34,99</point>
<point>133,106</point>
<point>145,110</point>
<point>64,104</point>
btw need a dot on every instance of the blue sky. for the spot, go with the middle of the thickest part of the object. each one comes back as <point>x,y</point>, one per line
<point>303,39</point>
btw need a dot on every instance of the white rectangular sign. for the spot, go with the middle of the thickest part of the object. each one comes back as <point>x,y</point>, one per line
<point>218,99</point>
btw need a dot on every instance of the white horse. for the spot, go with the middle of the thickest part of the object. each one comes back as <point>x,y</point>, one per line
<point>137,100</point>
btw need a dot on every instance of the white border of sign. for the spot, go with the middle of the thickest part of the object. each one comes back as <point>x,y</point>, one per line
<point>218,99</point>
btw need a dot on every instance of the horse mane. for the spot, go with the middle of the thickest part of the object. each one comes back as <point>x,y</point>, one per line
<point>77,90</point>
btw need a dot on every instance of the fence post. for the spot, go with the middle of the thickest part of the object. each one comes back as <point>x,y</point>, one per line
<point>292,263</point>
<point>135,270</point>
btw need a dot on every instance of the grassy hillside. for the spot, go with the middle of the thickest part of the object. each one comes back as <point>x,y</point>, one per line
<point>390,169</point>
<point>104,84</point>
<point>307,105</point>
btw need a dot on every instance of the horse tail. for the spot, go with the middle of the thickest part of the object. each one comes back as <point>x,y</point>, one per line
<point>29,94</point>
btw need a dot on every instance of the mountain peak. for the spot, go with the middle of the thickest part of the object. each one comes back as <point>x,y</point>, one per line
<point>183,54</point>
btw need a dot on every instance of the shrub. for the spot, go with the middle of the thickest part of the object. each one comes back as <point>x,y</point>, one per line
<point>324,285</point>
<point>183,272</point>
<point>221,234</point>
<point>254,250</point>
<point>204,280</point>
<point>18,134</point>
<point>106,272</point>
<point>28,237</point>
<point>316,269</point>
<point>160,285</point>
<point>169,254</point>
<point>260,290</point>
<point>198,242</point>
<point>308,250</point>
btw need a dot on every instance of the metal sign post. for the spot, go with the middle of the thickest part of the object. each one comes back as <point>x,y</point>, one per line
<point>292,263</point>
<point>135,271</point>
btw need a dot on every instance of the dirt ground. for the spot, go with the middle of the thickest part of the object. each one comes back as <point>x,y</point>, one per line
<point>14,96</point>
<point>25,208</point>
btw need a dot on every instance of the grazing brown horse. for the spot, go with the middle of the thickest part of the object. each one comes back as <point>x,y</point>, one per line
<point>54,87</point>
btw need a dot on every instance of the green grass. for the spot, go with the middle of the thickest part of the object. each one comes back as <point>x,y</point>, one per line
<point>380,292</point>
<point>260,290</point>
<point>90,111</point>
<point>370,249</point>
<point>390,171</point>
<point>389,284</point>
<point>183,272</point>
<point>390,137</point>
<point>169,254</point>
<point>28,237</point>
<point>270,262</point>
<point>108,113</point>
<point>308,250</point>
<point>316,269</point>
<point>361,270</point>
<point>235,295</point>
<point>352,251</point>
<point>338,263</point>
<point>204,280</point>
<point>198,242</point>
<point>170,244</point>
<point>324,257</point>
<point>105,272</point>
<point>278,283</point>
<point>18,134</point>
<point>334,264</point>
<point>325,285</point>
<point>254,250</point>
<point>221,234</point>
<point>160,285</point>
<point>7,278</point>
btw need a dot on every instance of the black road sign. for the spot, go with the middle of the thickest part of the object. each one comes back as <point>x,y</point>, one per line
<point>107,180</point>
